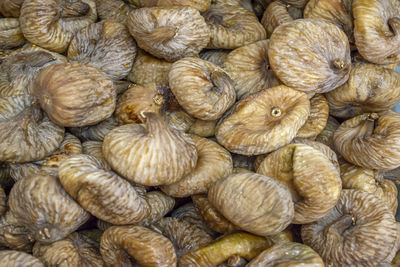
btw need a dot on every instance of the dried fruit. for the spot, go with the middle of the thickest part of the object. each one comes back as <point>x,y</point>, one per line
<point>18,259</point>
<point>10,33</point>
<point>116,10</point>
<point>179,119</point>
<point>203,128</point>
<point>3,201</point>
<point>326,135</point>
<point>13,235</point>
<point>95,149</point>
<point>200,5</point>
<point>216,56</point>
<point>96,132</point>
<point>160,204</point>
<point>10,8</point>
<point>310,55</point>
<point>275,14</point>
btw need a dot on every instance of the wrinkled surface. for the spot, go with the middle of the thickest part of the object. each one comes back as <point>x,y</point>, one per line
<point>200,5</point>
<point>160,204</point>
<point>116,10</point>
<point>275,14</point>
<point>3,203</point>
<point>216,56</point>
<point>18,259</point>
<point>10,33</point>
<point>96,132</point>
<point>326,135</point>
<point>13,235</point>
<point>319,113</point>
<point>10,8</point>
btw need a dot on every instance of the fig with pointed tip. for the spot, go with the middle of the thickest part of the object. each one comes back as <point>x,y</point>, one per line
<point>216,56</point>
<point>200,5</point>
<point>370,88</point>
<point>377,30</point>
<point>275,14</point>
<point>150,154</point>
<point>119,244</point>
<point>170,33</point>
<point>10,33</point>
<point>10,8</point>
<point>248,66</point>
<point>18,259</point>
<point>254,202</point>
<point>160,204</point>
<point>263,122</point>
<point>310,55</point>
<point>70,251</point>
<point>116,10</point>
<point>232,26</point>
<point>42,206</point>
<point>75,94</point>
<point>95,132</point>
<point>326,135</point>
<point>370,140</point>
<point>314,182</point>
<point>360,230</point>
<point>13,235</point>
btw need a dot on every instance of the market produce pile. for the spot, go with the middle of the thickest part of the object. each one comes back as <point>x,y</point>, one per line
<point>199,133</point>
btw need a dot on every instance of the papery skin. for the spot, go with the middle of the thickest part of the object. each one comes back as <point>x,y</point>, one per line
<point>274,15</point>
<point>11,8</point>
<point>18,258</point>
<point>10,33</point>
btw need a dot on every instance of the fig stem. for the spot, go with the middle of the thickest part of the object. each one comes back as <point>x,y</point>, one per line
<point>339,64</point>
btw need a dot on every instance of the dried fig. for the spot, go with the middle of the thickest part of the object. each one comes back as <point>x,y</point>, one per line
<point>169,33</point>
<point>10,33</point>
<point>13,235</point>
<point>160,204</point>
<point>310,55</point>
<point>376,30</point>
<point>370,88</point>
<point>116,10</point>
<point>359,231</point>
<point>326,135</point>
<point>203,128</point>
<point>265,206</point>
<point>264,121</point>
<point>248,66</point>
<point>287,255</point>
<point>216,56</point>
<point>312,179</point>
<point>42,206</point>
<point>71,251</point>
<point>151,153</point>
<point>148,248</point>
<point>19,171</point>
<point>179,120</point>
<point>10,8</point>
<point>96,132</point>
<point>232,26</point>
<point>18,259</point>
<point>3,201</point>
<point>57,23</point>
<point>370,140</point>
<point>200,5</point>
<point>213,163</point>
<point>275,14</point>
<point>75,94</point>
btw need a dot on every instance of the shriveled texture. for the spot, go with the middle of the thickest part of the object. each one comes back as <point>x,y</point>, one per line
<point>248,66</point>
<point>26,132</point>
<point>21,170</point>
<point>10,33</point>
<point>95,149</point>
<point>75,94</point>
<point>96,132</point>
<point>263,122</point>
<point>319,113</point>
<point>151,153</point>
<point>370,140</point>
<point>71,251</point>
<point>200,5</point>
<point>13,235</point>
<point>41,205</point>
<point>216,56</point>
<point>102,192</point>
<point>106,45</point>
<point>170,33</point>
<point>232,26</point>
<point>116,10</point>
<point>18,259</point>
<point>370,88</point>
<point>58,22</point>
<point>213,163</point>
<point>276,14</point>
<point>254,202</point>
<point>312,179</point>
<point>360,231</point>
<point>213,218</point>
<point>240,244</point>
<point>377,30</point>
<point>148,248</point>
<point>310,55</point>
<point>354,177</point>
<point>179,119</point>
<point>160,204</point>
<point>326,135</point>
<point>203,128</point>
<point>288,254</point>
<point>3,201</point>
<point>10,8</point>
<point>202,88</point>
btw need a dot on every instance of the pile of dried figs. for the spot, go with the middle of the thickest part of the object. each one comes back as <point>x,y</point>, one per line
<point>182,133</point>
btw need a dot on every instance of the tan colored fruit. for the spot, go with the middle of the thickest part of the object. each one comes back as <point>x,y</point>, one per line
<point>170,33</point>
<point>151,153</point>
<point>213,163</point>
<point>310,55</point>
<point>203,128</point>
<point>95,149</point>
<point>13,235</point>
<point>232,26</point>
<point>216,56</point>
<point>57,23</point>
<point>277,13</point>
<point>10,8</point>
<point>10,33</point>
<point>116,10</point>
<point>370,140</point>
<point>148,248</point>
<point>263,122</point>
<point>18,259</point>
<point>179,119</point>
<point>75,94</point>
<point>326,135</point>
<point>200,5</point>
<point>248,66</point>
<point>96,132</point>
<point>359,221</point>
<point>160,204</point>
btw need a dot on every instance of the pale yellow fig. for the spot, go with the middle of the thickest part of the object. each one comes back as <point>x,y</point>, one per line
<point>18,259</point>
<point>10,33</point>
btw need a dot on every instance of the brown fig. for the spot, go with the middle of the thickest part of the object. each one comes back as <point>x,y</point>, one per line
<point>116,10</point>
<point>179,119</point>
<point>160,204</point>
<point>10,8</point>
<point>203,128</point>
<point>18,259</point>
<point>200,5</point>
<point>10,33</point>
<point>13,235</point>
<point>216,56</point>
<point>96,132</point>
<point>275,14</point>
<point>326,135</point>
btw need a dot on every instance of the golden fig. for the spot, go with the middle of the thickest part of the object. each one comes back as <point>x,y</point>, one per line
<point>275,14</point>
<point>10,33</point>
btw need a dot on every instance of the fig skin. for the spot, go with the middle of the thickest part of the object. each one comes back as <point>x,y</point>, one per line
<point>376,30</point>
<point>75,94</point>
<point>18,259</point>
<point>11,8</point>
<point>216,56</point>
<point>232,26</point>
<point>160,204</point>
<point>310,55</point>
<point>10,33</point>
<point>13,235</point>
<point>95,132</point>
<point>95,149</point>
<point>263,122</point>
<point>116,10</point>
<point>106,45</point>
<point>314,182</point>
<point>170,33</point>
<point>360,230</point>
<point>213,163</point>
<point>150,154</point>
<point>200,5</point>
<point>58,22</point>
<point>41,205</point>
<point>248,66</point>
<point>370,140</point>
<point>102,192</point>
<point>71,251</point>
<point>179,120</point>
<point>370,88</point>
<point>146,246</point>
<point>274,15</point>
<point>203,128</point>
<point>265,206</point>
<point>202,88</point>
<point>326,135</point>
